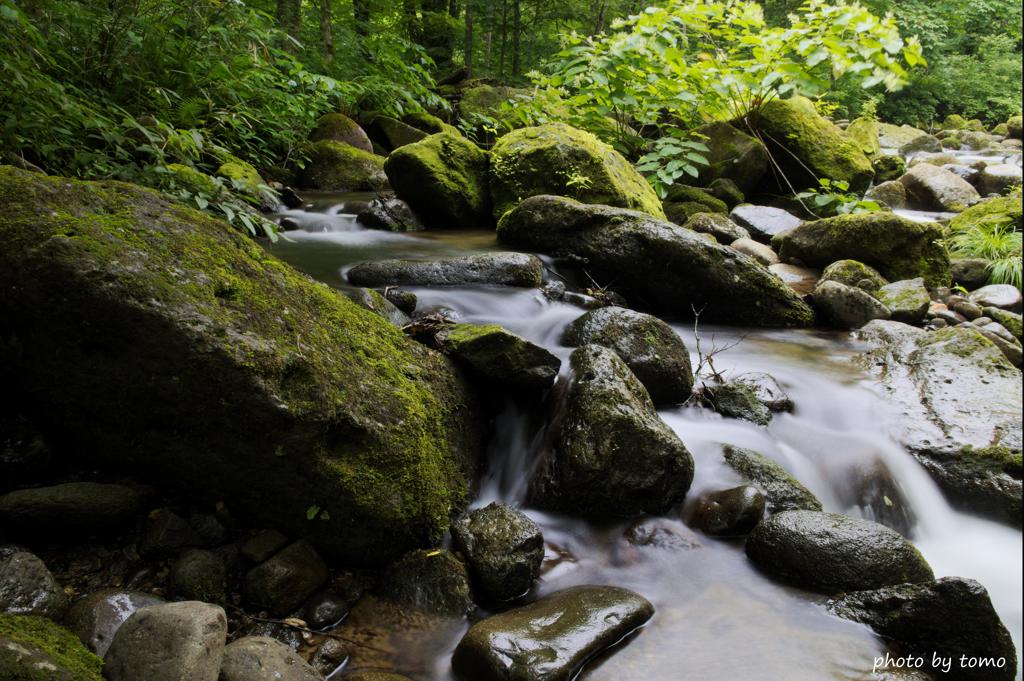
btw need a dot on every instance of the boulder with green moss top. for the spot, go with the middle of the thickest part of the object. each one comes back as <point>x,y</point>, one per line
<point>1002,210</point>
<point>496,268</point>
<point>486,100</point>
<point>156,313</point>
<point>907,300</point>
<point>36,649</point>
<point>854,273</point>
<point>194,181</point>
<point>611,454</point>
<point>959,402</point>
<point>336,127</point>
<point>734,155</point>
<point>888,167</point>
<point>736,401</point>
<point>444,179</point>
<point>683,202</point>
<point>970,273</point>
<point>237,170</point>
<point>953,122</point>
<point>893,137</point>
<point>781,490</point>
<point>499,355</point>
<point>717,225</point>
<point>934,188</point>
<point>808,147</point>
<point>336,166</point>
<point>832,553</point>
<point>561,160</point>
<point>392,133</point>
<point>892,194</point>
<point>375,302</point>
<point>1011,321</point>
<point>1013,127</point>
<point>654,263</point>
<point>427,122</point>
<point>999,178</point>
<point>649,347</point>
<point>864,131</point>
<point>726,190</point>
<point>897,247</point>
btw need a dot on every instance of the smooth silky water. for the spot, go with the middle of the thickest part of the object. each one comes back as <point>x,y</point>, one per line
<point>718,618</point>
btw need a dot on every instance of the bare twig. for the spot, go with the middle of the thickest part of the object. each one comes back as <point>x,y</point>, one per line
<point>706,360</point>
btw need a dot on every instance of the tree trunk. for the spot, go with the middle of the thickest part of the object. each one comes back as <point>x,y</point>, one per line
<point>289,18</point>
<point>361,16</point>
<point>327,31</point>
<point>517,31</point>
<point>411,18</point>
<point>467,58</point>
<point>602,8</point>
<point>504,39</point>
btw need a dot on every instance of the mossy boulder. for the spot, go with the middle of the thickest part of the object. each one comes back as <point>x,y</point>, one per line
<point>194,181</point>
<point>444,179</point>
<point>808,147</point>
<point>486,100</point>
<point>392,133</point>
<point>831,553</point>
<point>781,490</point>
<point>897,247</point>
<point>854,273</point>
<point>294,395</point>
<point>500,356</point>
<point>1001,210</point>
<point>907,300</point>
<point>888,167</point>
<point>1013,127</point>
<point>336,127</point>
<point>717,225</point>
<point>683,202</point>
<point>732,154</point>
<point>336,166</point>
<point>428,123</point>
<point>611,453</point>
<point>864,131</point>
<point>654,263</point>
<point>847,307</point>
<point>36,649</point>
<point>954,122</point>
<point>735,401</point>
<point>561,160</point>
<point>895,137</point>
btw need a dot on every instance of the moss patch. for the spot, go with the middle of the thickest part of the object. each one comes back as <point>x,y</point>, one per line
<point>36,649</point>
<point>336,166</point>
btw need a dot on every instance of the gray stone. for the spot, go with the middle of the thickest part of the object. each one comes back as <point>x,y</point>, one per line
<point>763,222</point>
<point>762,253</point>
<point>27,587</point>
<point>649,347</point>
<point>258,658</point>
<point>781,490</point>
<point>611,453</point>
<point>729,512</point>
<point>72,508</point>
<point>263,545</point>
<point>98,616</point>
<point>907,300</point>
<point>390,214</point>
<point>846,306</point>
<point>717,225</point>
<point>282,583</point>
<point>169,642</point>
<point>951,618</point>
<point>552,638</point>
<point>504,549</point>
<point>892,194</point>
<point>505,269</point>
<point>934,188</point>
<point>830,553</point>
<point>1011,321</point>
<point>499,355</point>
<point>1010,346</point>
<point>1002,296</point>
<point>971,273</point>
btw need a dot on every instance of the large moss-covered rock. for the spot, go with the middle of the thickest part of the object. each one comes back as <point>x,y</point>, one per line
<point>552,638</point>
<point>654,263</point>
<point>649,347</point>
<point>830,553</point>
<point>1002,210</point>
<point>338,127</point>
<point>864,131</point>
<point>499,355</point>
<point>1013,127</point>
<point>897,247</point>
<point>36,649</point>
<point>392,133</point>
<point>808,147</point>
<point>611,454</point>
<point>959,401</point>
<point>176,349</point>
<point>682,202</point>
<point>847,307</point>
<point>559,159</point>
<point>444,178</point>
<point>732,154</point>
<point>951,618</point>
<point>782,492</point>
<point>908,300</point>
<point>336,166</point>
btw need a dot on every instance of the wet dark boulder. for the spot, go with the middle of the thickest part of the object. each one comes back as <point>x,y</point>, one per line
<point>199,575</point>
<point>781,490</point>
<point>729,512</point>
<point>735,401</point>
<point>552,638</point>
<point>27,587</point>
<point>503,547</point>
<point>25,456</point>
<point>951,618</point>
<point>258,658</point>
<point>180,352</point>
<point>283,582</point>
<point>767,389</point>
<point>611,454</point>
<point>72,508</point>
<point>498,269</point>
<point>97,617</point>
<point>36,649</point>
<point>650,348</point>
<point>434,583</point>
<point>655,264</point>
<point>498,355</point>
<point>830,553</point>
<point>390,214</point>
<point>734,155</point>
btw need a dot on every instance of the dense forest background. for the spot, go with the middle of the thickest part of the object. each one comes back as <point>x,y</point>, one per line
<point>121,88</point>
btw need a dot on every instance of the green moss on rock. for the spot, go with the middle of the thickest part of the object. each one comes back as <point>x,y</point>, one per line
<point>561,160</point>
<point>1002,210</point>
<point>734,155</point>
<point>444,179</point>
<point>808,147</point>
<point>854,273</point>
<point>194,181</point>
<point>864,131</point>
<point>336,127</point>
<point>36,649</point>
<point>683,202</point>
<point>888,167</point>
<point>184,354</point>
<point>240,171</point>
<point>336,166</point>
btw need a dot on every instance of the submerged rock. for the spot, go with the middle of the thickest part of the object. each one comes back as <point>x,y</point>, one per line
<point>258,658</point>
<point>97,617</point>
<point>763,222</point>
<point>36,649</point>
<point>444,179</point>
<point>158,314</point>
<point>897,247</point>
<point>552,638</point>
<point>829,553</point>
<point>729,512</point>
<point>27,587</point>
<point>500,355</point>
<point>504,549</point>
<point>433,582</point>
<point>72,508</point>
<point>561,160</point>
<point>655,264</point>
<point>781,490</point>
<point>848,307</point>
<point>951,618</point>
<point>611,454</point>
<point>959,402</point>
<point>282,583</point>
<point>649,347</point>
<point>499,268</point>
<point>169,642</point>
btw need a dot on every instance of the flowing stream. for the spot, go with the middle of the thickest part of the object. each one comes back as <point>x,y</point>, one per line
<point>718,618</point>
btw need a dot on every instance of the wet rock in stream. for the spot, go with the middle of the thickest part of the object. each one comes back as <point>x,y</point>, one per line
<point>550,639</point>
<point>257,658</point>
<point>729,512</point>
<point>499,355</point>
<point>97,617</point>
<point>737,401</point>
<point>504,548</point>
<point>781,490</point>
<point>27,587</point>
<point>499,268</point>
<point>283,582</point>
<point>434,583</point>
